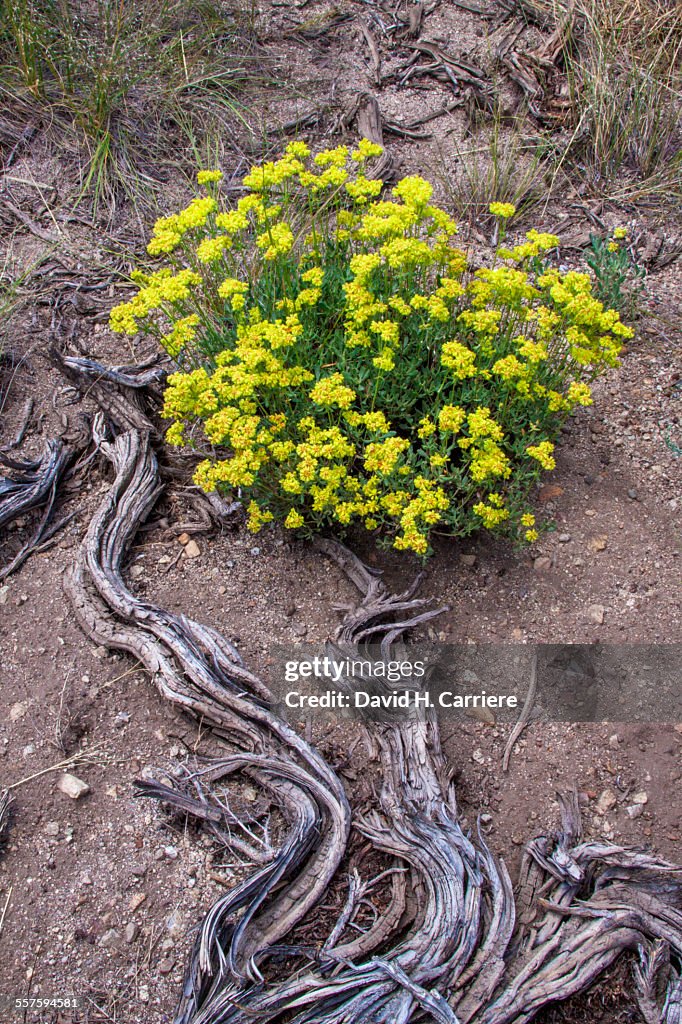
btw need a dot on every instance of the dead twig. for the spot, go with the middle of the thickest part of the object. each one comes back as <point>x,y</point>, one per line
<point>524,717</point>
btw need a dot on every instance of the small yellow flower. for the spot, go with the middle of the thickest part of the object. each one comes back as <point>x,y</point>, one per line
<point>208,177</point>
<point>293,520</point>
<point>503,210</point>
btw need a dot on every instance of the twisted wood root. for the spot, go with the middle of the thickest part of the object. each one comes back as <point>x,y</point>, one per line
<point>450,944</point>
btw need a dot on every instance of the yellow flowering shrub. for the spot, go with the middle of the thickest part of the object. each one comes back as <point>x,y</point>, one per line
<point>345,363</point>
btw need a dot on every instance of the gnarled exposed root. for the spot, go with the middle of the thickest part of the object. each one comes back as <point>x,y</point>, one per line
<point>5,804</point>
<point>448,944</point>
<point>33,485</point>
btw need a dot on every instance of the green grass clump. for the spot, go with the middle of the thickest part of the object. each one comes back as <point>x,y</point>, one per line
<point>626,81</point>
<point>124,84</point>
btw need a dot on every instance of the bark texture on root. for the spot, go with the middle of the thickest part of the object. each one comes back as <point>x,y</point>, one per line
<point>450,942</point>
<point>34,484</point>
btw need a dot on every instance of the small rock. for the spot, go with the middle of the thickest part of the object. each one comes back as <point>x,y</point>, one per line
<point>170,852</point>
<point>4,594</point>
<point>486,819</point>
<point>110,938</point>
<point>598,543</point>
<point>122,719</point>
<point>634,811</point>
<point>595,613</point>
<point>138,870</point>
<point>640,798</point>
<point>564,538</point>
<point>184,538</point>
<point>192,549</point>
<point>137,900</point>
<point>143,994</point>
<point>549,492</point>
<point>478,756</point>
<point>299,629</point>
<point>542,563</point>
<point>222,589</point>
<point>166,965</point>
<point>52,828</point>
<point>614,741</point>
<point>28,750</point>
<point>175,925</point>
<point>606,801</point>
<point>469,560</point>
<point>131,932</point>
<point>18,710</point>
<point>254,551</point>
<point>86,878</point>
<point>632,494</point>
<point>72,786</point>
<point>136,571</point>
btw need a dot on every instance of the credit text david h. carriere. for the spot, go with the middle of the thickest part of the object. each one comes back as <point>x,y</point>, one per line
<point>403,700</point>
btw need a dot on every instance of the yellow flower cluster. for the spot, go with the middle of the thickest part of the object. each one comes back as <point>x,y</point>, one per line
<point>347,364</point>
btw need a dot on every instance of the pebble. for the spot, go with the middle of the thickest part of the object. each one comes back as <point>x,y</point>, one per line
<point>598,543</point>
<point>72,786</point>
<point>110,938</point>
<point>122,718</point>
<point>564,538</point>
<point>596,613</point>
<point>469,560</point>
<point>614,741</point>
<point>192,549</point>
<point>166,965</point>
<point>632,494</point>
<point>137,900</point>
<point>542,563</point>
<point>86,878</point>
<point>4,594</point>
<point>606,801</point>
<point>136,571</point>
<point>131,932</point>
<point>254,551</point>
<point>143,994</point>
<point>175,925</point>
<point>478,756</point>
<point>52,828</point>
<point>640,798</point>
<point>184,538</point>
<point>634,811</point>
<point>170,852</point>
<point>138,870</point>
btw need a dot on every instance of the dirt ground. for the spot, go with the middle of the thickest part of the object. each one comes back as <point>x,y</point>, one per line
<point>102,895</point>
